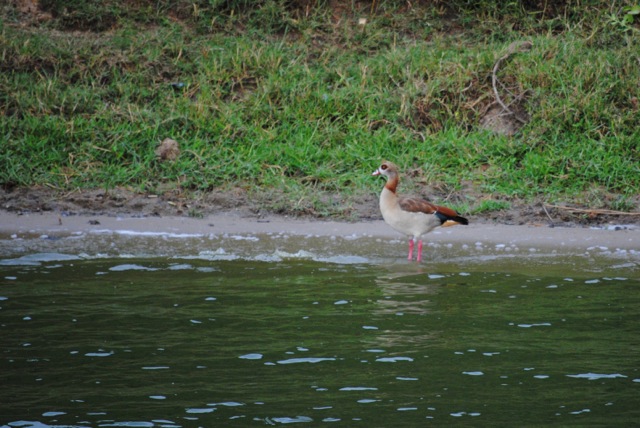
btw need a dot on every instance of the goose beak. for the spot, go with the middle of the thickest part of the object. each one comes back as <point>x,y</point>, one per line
<point>376,172</point>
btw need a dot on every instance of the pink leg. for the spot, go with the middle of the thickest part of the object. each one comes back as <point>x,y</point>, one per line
<point>419,251</point>
<point>410,250</point>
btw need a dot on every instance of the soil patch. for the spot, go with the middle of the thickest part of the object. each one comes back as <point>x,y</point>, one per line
<point>124,202</point>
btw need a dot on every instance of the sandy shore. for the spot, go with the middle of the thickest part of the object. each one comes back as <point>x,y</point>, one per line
<point>33,225</point>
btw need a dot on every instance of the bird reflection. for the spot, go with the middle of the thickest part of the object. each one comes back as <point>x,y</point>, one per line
<point>406,297</point>
<point>406,293</point>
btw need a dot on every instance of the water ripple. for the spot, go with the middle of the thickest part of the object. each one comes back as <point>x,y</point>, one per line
<point>393,359</point>
<point>251,356</point>
<point>311,360</point>
<point>358,388</point>
<point>596,376</point>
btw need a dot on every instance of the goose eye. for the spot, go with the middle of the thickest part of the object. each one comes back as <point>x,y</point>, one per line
<point>383,167</point>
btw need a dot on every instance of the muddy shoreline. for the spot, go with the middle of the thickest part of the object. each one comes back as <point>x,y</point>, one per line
<point>123,222</point>
<point>579,238</point>
<point>124,202</point>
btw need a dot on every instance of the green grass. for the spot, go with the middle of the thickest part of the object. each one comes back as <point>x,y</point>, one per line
<point>305,102</point>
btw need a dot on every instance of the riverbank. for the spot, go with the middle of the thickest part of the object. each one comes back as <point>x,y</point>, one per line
<point>289,106</point>
<point>625,237</point>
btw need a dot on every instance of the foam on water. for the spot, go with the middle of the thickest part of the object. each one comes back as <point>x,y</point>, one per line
<point>125,267</point>
<point>353,249</point>
<point>38,259</point>
<point>146,234</point>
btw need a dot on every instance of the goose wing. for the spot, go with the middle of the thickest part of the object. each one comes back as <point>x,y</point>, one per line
<point>420,205</point>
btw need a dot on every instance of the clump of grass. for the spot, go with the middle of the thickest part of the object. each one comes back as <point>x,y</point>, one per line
<point>490,205</point>
<point>295,95</point>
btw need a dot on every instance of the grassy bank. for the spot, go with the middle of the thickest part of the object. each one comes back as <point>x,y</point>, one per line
<point>299,101</point>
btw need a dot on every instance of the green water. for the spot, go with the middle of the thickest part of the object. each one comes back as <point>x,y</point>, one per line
<point>166,343</point>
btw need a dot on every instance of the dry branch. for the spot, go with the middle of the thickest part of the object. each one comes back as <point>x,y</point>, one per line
<point>513,48</point>
<point>593,211</point>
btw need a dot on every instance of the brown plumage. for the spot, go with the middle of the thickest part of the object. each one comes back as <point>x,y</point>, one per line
<point>412,216</point>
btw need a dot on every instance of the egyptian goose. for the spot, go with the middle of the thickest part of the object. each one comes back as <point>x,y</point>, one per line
<point>411,216</point>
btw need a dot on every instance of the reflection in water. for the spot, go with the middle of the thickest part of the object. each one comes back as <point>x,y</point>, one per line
<point>402,297</point>
<point>155,342</point>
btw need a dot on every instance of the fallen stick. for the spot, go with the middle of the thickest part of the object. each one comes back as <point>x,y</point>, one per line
<point>511,50</point>
<point>593,211</point>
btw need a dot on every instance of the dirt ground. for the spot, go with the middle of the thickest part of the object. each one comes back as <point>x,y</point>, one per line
<point>123,202</point>
<point>38,221</point>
